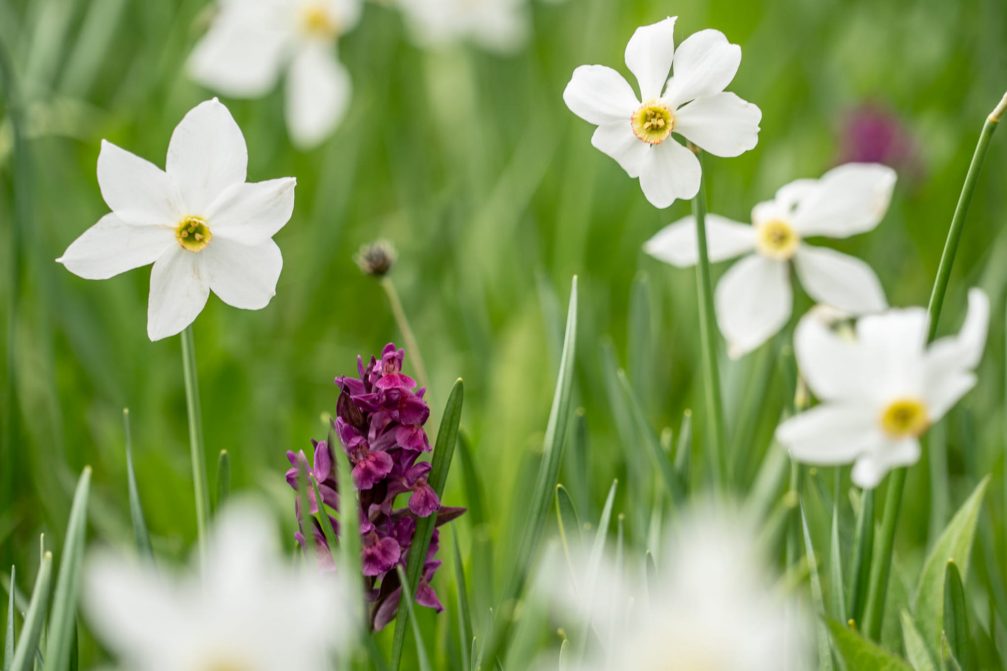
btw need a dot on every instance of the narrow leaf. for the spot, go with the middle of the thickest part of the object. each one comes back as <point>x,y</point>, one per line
<point>838,588</point>
<point>860,654</point>
<point>863,549</point>
<point>63,616</point>
<point>407,599</point>
<point>956,621</point>
<point>464,610</point>
<point>954,544</point>
<point>822,633</point>
<point>647,435</point>
<point>917,651</point>
<point>224,478</point>
<point>8,651</point>
<point>568,520</point>
<point>140,535</point>
<point>31,630</point>
<point>444,449</point>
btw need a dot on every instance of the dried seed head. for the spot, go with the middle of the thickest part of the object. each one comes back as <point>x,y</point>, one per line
<point>376,259</point>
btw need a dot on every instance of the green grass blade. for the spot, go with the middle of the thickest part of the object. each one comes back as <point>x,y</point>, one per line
<point>683,450</point>
<point>954,544</point>
<point>818,598</point>
<point>407,601</point>
<point>474,493</point>
<point>63,616</point>
<point>568,521</point>
<point>444,449</point>
<point>917,651</point>
<point>647,435</point>
<point>863,550</point>
<point>31,630</point>
<point>858,653</point>
<point>140,535</point>
<point>464,609</point>
<point>538,511</point>
<point>836,582</point>
<point>223,478</point>
<point>8,648</point>
<point>956,620</point>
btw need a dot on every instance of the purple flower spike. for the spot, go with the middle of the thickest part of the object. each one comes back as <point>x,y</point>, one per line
<point>379,421</point>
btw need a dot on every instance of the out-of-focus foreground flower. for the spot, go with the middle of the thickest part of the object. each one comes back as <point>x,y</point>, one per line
<point>497,25</point>
<point>637,131</point>
<point>247,608</point>
<point>882,389</point>
<point>710,605</point>
<point>201,225</point>
<point>754,299</point>
<point>380,422</point>
<point>251,42</point>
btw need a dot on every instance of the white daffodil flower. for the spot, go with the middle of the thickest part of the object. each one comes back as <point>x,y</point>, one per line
<point>637,131</point>
<point>201,225</point>
<point>496,25</point>
<point>881,389</point>
<point>246,609</point>
<point>251,42</point>
<point>754,298</point>
<point>701,609</point>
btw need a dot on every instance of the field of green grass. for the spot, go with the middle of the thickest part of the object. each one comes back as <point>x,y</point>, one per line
<point>472,166</point>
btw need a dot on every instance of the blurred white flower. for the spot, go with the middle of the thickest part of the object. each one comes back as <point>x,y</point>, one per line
<point>247,609</point>
<point>252,41</point>
<point>710,605</point>
<point>496,25</point>
<point>201,225</point>
<point>637,131</point>
<point>882,389</point>
<point>754,298</point>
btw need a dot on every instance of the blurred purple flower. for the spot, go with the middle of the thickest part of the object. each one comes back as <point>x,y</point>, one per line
<point>872,133</point>
<point>380,422</point>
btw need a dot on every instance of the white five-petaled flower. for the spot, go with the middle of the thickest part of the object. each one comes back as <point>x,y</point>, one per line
<point>754,298</point>
<point>710,604</point>
<point>246,609</point>
<point>201,225</point>
<point>496,25</point>
<point>252,41</point>
<point>881,387</point>
<point>637,131</point>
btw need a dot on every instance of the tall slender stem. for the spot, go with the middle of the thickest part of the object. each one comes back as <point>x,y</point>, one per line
<point>877,591</point>
<point>407,332</point>
<point>195,437</point>
<point>708,338</point>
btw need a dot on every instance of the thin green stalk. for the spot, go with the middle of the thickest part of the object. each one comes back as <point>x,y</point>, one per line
<point>893,501</point>
<point>195,437</point>
<point>407,331</point>
<point>708,338</point>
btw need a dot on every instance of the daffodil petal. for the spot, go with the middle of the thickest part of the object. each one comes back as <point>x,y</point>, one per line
<point>722,124</point>
<point>705,64</point>
<point>206,155</point>
<point>135,189</point>
<point>649,55</point>
<point>669,172</point>
<point>253,212</point>
<point>241,55</point>
<point>848,200</point>
<point>834,367</point>
<point>318,94</point>
<point>618,141</point>
<point>830,434</point>
<point>893,344</point>
<point>753,302</point>
<point>839,280</point>
<point>949,361</point>
<point>676,243</point>
<point>243,276</point>
<point>178,293</point>
<point>600,95</point>
<point>871,467</point>
<point>112,246</point>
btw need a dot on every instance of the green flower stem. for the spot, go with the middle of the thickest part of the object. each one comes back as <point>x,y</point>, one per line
<point>708,338</point>
<point>407,332</point>
<point>195,437</point>
<point>877,591</point>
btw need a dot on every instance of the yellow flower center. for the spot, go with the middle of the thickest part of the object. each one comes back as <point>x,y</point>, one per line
<point>653,123</point>
<point>905,418</point>
<point>193,233</point>
<point>316,21</point>
<point>777,239</point>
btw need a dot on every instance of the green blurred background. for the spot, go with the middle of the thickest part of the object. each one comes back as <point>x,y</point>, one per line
<point>473,167</point>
